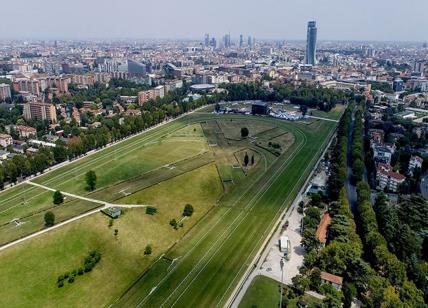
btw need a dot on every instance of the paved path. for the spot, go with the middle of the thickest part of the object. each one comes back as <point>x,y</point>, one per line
<point>104,206</point>
<point>67,194</point>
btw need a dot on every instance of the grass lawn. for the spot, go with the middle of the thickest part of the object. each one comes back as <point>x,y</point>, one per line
<point>38,262</point>
<point>262,292</point>
<point>209,266</point>
<point>121,167</point>
<point>210,252</point>
<point>171,196</point>
<point>333,114</point>
<point>265,292</point>
<point>133,158</point>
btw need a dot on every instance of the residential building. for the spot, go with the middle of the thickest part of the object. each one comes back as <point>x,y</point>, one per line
<point>26,131</point>
<point>414,163</point>
<point>145,96</point>
<point>311,43</point>
<point>27,85</point>
<point>386,178</point>
<point>40,111</point>
<point>5,140</point>
<point>5,91</point>
<point>322,230</point>
<point>382,154</point>
<point>335,281</point>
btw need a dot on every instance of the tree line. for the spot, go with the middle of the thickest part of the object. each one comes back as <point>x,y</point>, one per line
<point>305,94</point>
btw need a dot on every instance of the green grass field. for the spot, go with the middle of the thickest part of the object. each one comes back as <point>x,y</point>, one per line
<point>262,292</point>
<point>266,292</point>
<point>210,265</point>
<point>333,114</point>
<point>170,166</point>
<point>40,261</point>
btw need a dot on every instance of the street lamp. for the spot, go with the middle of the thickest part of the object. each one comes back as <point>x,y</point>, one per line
<point>281,264</point>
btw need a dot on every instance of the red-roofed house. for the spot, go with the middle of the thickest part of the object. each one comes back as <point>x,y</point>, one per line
<point>335,281</point>
<point>322,229</point>
<point>387,178</point>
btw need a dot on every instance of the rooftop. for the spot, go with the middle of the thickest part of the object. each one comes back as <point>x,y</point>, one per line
<point>331,278</point>
<point>321,232</point>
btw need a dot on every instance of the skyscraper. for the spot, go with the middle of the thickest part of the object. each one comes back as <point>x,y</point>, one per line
<point>241,41</point>
<point>207,40</point>
<point>249,42</point>
<point>226,41</point>
<point>311,43</point>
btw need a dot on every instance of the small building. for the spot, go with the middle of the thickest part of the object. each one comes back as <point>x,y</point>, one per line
<point>322,230</point>
<point>335,281</point>
<point>415,163</point>
<point>259,108</point>
<point>4,155</point>
<point>5,140</point>
<point>112,212</point>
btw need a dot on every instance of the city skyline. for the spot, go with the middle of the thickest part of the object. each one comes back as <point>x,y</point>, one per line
<point>339,20</point>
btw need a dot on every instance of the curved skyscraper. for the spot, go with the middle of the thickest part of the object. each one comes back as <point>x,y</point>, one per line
<point>311,43</point>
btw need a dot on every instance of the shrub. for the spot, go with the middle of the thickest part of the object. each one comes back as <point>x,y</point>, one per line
<point>188,210</point>
<point>148,250</point>
<point>49,219</point>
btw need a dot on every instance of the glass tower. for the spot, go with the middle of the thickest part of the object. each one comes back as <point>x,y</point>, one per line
<point>311,43</point>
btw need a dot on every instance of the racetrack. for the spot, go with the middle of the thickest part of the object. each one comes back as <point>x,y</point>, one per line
<point>210,265</point>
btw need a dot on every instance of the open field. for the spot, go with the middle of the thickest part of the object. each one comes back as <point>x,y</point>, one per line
<point>40,261</point>
<point>333,114</point>
<point>122,166</point>
<point>177,164</point>
<point>210,264</point>
<point>265,292</point>
<point>131,159</point>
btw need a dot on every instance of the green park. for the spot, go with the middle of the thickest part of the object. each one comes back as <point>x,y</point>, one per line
<point>209,188</point>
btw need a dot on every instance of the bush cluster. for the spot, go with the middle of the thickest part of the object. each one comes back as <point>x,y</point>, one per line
<point>88,264</point>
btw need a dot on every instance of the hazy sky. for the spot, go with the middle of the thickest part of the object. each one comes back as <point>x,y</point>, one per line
<point>276,19</point>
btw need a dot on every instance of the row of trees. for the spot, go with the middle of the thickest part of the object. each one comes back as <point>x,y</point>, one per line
<point>404,229</point>
<point>357,148</point>
<point>306,94</point>
<point>379,282</point>
<point>339,156</point>
<point>391,271</point>
<point>111,129</point>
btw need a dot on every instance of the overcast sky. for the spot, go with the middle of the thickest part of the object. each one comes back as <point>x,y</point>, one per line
<point>270,19</point>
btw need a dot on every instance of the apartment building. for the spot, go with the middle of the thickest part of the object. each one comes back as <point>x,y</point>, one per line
<point>145,96</point>
<point>386,178</point>
<point>5,91</point>
<point>40,111</point>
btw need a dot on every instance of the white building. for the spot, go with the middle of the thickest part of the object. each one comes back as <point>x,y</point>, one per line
<point>415,162</point>
<point>5,91</point>
<point>386,178</point>
<point>5,140</point>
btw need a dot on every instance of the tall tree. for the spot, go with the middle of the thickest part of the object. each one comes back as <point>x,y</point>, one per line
<point>91,180</point>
